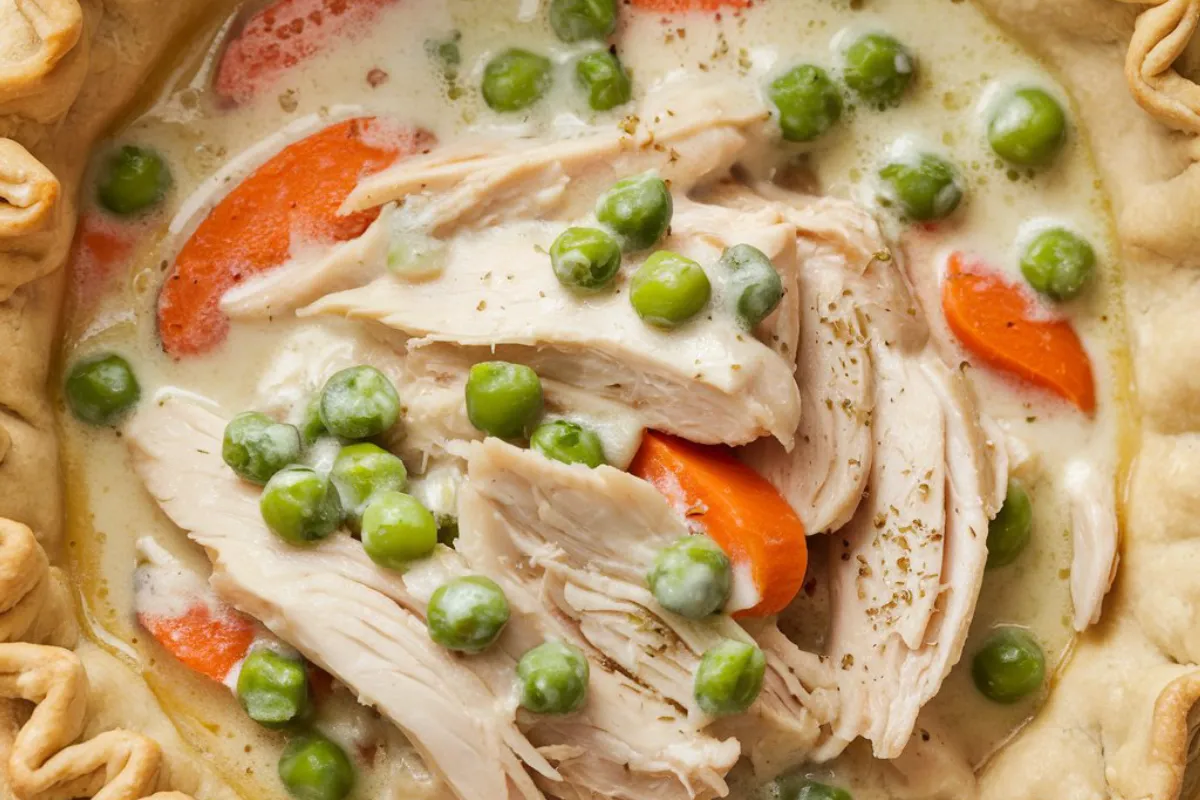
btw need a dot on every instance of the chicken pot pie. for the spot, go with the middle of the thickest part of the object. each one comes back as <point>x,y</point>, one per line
<point>661,398</point>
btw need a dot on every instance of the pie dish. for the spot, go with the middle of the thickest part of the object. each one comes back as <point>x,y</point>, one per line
<point>682,398</point>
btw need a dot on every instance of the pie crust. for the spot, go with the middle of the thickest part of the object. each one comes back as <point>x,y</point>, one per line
<point>1120,720</point>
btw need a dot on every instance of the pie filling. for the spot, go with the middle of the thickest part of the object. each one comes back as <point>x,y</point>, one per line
<point>476,399</point>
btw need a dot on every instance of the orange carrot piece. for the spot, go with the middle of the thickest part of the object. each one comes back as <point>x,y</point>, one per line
<point>998,323</point>
<point>680,6</point>
<point>295,194</point>
<point>281,36</point>
<point>207,643</point>
<point>737,507</point>
<point>100,246</point>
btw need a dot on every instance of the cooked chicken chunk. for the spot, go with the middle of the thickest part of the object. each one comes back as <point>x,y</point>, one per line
<point>708,381</point>
<point>589,537</point>
<point>686,137</point>
<point>908,567</point>
<point>312,273</point>
<point>1093,539</point>
<point>371,635</point>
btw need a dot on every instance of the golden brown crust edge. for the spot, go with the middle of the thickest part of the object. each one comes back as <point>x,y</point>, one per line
<point>56,95</point>
<point>1117,723</point>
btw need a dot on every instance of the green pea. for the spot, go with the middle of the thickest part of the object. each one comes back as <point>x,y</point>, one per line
<point>553,678</point>
<point>1058,263</point>
<point>1028,128</point>
<point>256,446</point>
<point>606,81</point>
<point>754,284</point>
<point>359,402</point>
<point>808,102</point>
<point>691,577</point>
<point>360,470</point>
<point>638,210</point>
<point>273,688</point>
<point>1010,530</point>
<point>314,768</point>
<point>300,506</point>
<point>576,20</point>
<point>396,529</point>
<point>1009,666</point>
<point>729,678</point>
<point>925,188</point>
<point>878,69</point>
<point>504,400</point>
<point>132,179</point>
<point>669,289</point>
<point>515,80</point>
<point>101,389</point>
<point>467,614</point>
<point>585,259</point>
<point>797,786</point>
<point>568,442</point>
<point>311,426</point>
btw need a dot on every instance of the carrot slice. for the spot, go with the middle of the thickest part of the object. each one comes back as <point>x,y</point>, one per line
<point>100,246</point>
<point>207,643</point>
<point>737,507</point>
<point>281,36</point>
<point>680,6</point>
<point>294,196</point>
<point>999,323</point>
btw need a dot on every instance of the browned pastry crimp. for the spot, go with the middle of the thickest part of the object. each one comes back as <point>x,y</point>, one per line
<point>1160,38</point>
<point>28,191</point>
<point>45,762</point>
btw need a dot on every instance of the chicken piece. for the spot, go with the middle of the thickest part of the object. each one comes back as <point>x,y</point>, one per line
<point>707,381</point>
<point>824,476</point>
<point>370,634</point>
<point>764,226</point>
<point>1093,539</point>
<point>309,356</point>
<point>687,136</point>
<point>656,736</point>
<point>434,398</point>
<point>312,273</point>
<point>841,259</point>
<point>909,566</point>
<point>589,537</point>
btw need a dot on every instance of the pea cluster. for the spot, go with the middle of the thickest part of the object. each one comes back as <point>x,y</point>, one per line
<point>1027,128</point>
<point>668,289</point>
<point>516,79</point>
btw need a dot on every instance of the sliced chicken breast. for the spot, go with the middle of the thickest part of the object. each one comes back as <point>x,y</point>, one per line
<point>364,624</point>
<point>708,381</point>
<point>588,538</point>
<point>687,136</point>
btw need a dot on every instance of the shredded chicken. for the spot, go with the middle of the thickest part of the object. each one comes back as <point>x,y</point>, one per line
<point>370,634</point>
<point>708,381</point>
<point>589,537</point>
<point>1093,539</point>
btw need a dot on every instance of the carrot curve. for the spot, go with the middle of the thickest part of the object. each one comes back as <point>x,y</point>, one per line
<point>206,643</point>
<point>735,506</point>
<point>998,323</point>
<point>281,36</point>
<point>293,198</point>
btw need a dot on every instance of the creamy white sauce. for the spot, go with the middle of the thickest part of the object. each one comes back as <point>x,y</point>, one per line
<point>963,66</point>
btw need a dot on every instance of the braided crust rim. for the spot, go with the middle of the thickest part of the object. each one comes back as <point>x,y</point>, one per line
<point>28,191</point>
<point>58,25</point>
<point>45,763</point>
<point>1160,37</point>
